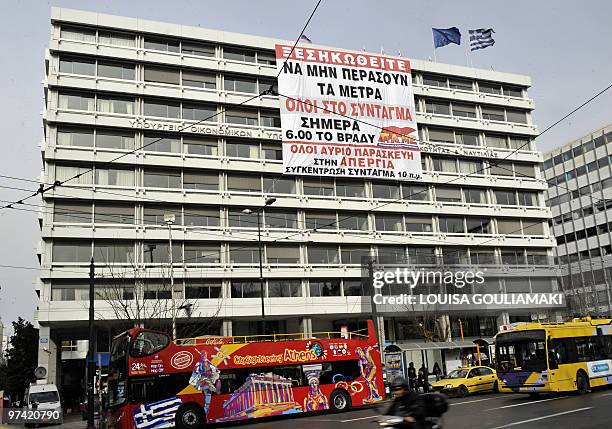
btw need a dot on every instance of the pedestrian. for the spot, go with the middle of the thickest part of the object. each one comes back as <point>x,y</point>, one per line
<point>412,376</point>
<point>423,381</point>
<point>437,371</point>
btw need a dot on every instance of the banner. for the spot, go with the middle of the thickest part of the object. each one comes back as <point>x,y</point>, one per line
<point>347,114</point>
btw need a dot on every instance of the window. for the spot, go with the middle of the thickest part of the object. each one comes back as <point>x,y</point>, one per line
<point>475,195</point>
<point>159,44</point>
<point>465,85</point>
<point>415,192</point>
<point>114,140</point>
<point>351,189</point>
<point>325,287</point>
<point>241,254</point>
<point>269,119</point>
<point>451,224</point>
<point>201,181</point>
<point>527,198</point>
<point>267,58</point>
<point>69,291</point>
<point>441,135</point>
<point>237,54</point>
<point>194,146</point>
<point>72,212</point>
<point>496,141</point>
<point>354,288</point>
<point>289,288</point>
<point>272,151</point>
<point>470,167</point>
<point>467,138</point>
<point>389,222</point>
<point>244,183</point>
<point>277,254</point>
<point>198,113</point>
<point>240,84</point>
<point>513,91</point>
<point>455,256</point>
<point>161,143</point>
<point>445,165</point>
<point>242,149</point>
<point>490,88</point>
<point>432,80</point>
<point>246,289</point>
<point>478,225</point>
<point>82,66</point>
<point>76,33</point>
<point>162,179</point>
<point>533,227</point>
<point>113,213</point>
<point>353,221</point>
<point>71,251</point>
<point>202,253</point>
<point>279,185</point>
<point>448,194</point>
<point>157,253</point>
<point>354,255</point>
<point>537,257</point>
<point>76,101</point>
<point>418,223</point>
<point>154,291</point>
<point>197,289</point>
<point>241,117</point>
<point>481,256</point>
<point>118,39</point>
<point>69,172</point>
<point>114,252</point>
<point>116,105</point>
<point>321,254</point>
<point>464,110</point>
<point>199,79</point>
<point>513,257</point>
<point>280,219</point>
<point>391,255</point>
<point>75,137</point>
<point>509,226</point>
<point>198,49</point>
<point>386,191</point>
<point>114,177</point>
<point>519,116</point>
<point>501,168</point>
<point>162,109</point>
<point>437,107</point>
<point>519,143</point>
<point>524,170</point>
<point>505,197</point>
<point>320,220</point>
<point>161,75</point>
<point>154,215</point>
<point>201,217</point>
<point>321,187</point>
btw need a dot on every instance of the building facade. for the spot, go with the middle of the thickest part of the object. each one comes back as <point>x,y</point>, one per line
<point>118,91</point>
<point>578,175</point>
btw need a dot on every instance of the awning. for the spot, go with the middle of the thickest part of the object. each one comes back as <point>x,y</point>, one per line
<point>446,345</point>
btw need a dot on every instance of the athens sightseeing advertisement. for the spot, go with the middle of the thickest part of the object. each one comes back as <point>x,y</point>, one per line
<point>347,114</point>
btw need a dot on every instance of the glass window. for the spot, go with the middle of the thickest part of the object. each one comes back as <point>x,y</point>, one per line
<point>116,70</point>
<point>241,117</point>
<point>76,101</point>
<point>279,254</point>
<point>201,180</point>
<point>74,175</point>
<point>513,257</point>
<point>481,256</point>
<point>537,257</point>
<point>289,288</point>
<point>415,192</point>
<point>272,151</point>
<point>470,167</point>
<point>195,146</point>
<point>475,195</point>
<point>199,79</point>
<point>465,85</point>
<point>493,113</point>
<point>117,39</point>
<point>77,33</point>
<point>505,197</point>
<point>391,255</point>
<point>238,219</point>
<point>478,225</point>
<point>69,291</point>
<point>241,254</point>
<point>353,221</point>
<point>422,255</point>
<point>242,149</point>
<point>464,110</point>
<point>320,220</point>
<point>114,252</point>
<point>467,138</point>
<point>448,194</point>
<point>199,113</point>
<point>162,179</point>
<point>354,255</point>
<point>82,66</point>
<point>519,143</point>
<point>201,216</point>
<point>389,222</point>
<point>352,189</point>
<point>113,213</point>
<point>437,107</point>
<point>325,287</point>
<point>71,251</point>
<point>246,289</point>
<point>354,287</point>
<point>199,49</point>
<point>280,219</point>
<point>519,116</point>
<point>114,140</point>
<point>418,223</point>
<point>240,84</point>
<point>533,227</point>
<point>161,75</point>
<point>269,119</point>
<point>490,88</point>
<point>455,256</point>
<point>527,198</point>
<point>524,170</point>
<point>279,185</point>
<point>432,80</point>
<point>513,91</point>
<point>496,141</point>
<point>267,58</point>
<point>162,109</point>
<point>451,224</point>
<point>322,254</point>
<point>441,135</point>
<point>202,253</point>
<point>501,168</point>
<point>321,187</point>
<point>445,165</point>
<point>114,177</point>
<point>238,54</point>
<point>116,105</point>
<point>244,183</point>
<point>386,191</point>
<point>75,137</point>
<point>160,44</point>
<point>161,143</point>
<point>72,211</point>
<point>509,226</point>
<point>158,253</point>
<point>198,289</point>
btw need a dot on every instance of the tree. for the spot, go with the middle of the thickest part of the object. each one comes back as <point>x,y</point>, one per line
<point>21,358</point>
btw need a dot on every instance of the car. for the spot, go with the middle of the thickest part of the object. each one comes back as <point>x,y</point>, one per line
<point>468,380</point>
<point>44,397</point>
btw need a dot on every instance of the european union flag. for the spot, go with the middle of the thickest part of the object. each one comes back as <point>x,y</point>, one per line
<point>444,36</point>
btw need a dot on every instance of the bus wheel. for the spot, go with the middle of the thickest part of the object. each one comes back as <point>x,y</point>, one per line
<point>582,384</point>
<point>190,416</point>
<point>463,391</point>
<point>339,401</point>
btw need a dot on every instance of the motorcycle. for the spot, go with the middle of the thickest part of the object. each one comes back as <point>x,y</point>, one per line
<point>435,405</point>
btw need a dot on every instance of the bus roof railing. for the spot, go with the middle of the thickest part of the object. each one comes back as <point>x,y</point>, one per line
<point>239,339</point>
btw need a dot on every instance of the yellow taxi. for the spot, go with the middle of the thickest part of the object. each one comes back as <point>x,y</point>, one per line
<point>464,381</point>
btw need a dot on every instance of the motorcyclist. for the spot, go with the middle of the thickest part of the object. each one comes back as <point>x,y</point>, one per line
<point>407,404</point>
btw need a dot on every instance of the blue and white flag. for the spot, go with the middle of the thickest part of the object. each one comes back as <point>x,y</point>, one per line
<point>158,414</point>
<point>481,38</point>
<point>444,36</point>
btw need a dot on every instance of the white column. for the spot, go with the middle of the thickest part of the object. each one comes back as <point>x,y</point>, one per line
<point>306,325</point>
<point>226,328</point>
<point>48,355</point>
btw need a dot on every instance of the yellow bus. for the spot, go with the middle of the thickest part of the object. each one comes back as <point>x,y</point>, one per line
<point>554,357</point>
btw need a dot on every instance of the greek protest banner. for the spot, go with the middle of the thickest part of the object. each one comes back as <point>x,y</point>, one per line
<point>347,114</point>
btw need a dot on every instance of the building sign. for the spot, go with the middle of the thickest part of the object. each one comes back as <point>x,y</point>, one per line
<point>347,114</point>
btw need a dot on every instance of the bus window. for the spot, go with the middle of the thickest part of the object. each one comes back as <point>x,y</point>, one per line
<point>343,370</point>
<point>150,389</point>
<point>147,343</point>
<point>524,350</point>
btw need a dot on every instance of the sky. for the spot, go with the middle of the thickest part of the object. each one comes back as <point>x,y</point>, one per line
<point>563,45</point>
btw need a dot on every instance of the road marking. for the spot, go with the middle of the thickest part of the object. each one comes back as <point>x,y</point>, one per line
<point>358,418</point>
<point>526,403</point>
<point>605,394</point>
<point>542,418</point>
<point>471,402</point>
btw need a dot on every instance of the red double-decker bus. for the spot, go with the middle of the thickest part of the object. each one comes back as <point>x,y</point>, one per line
<point>157,383</point>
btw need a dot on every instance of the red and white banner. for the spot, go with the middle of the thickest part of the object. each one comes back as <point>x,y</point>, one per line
<point>347,114</point>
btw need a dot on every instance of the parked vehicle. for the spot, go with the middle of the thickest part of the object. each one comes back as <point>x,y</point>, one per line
<point>43,397</point>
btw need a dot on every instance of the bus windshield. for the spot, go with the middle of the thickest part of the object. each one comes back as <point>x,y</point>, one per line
<point>118,366</point>
<point>521,351</point>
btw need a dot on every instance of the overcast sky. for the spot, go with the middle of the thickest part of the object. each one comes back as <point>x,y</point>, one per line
<point>562,45</point>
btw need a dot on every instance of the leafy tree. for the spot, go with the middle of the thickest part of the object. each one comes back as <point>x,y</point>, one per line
<point>21,358</point>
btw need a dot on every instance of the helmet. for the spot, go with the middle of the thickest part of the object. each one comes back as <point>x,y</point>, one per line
<point>399,382</point>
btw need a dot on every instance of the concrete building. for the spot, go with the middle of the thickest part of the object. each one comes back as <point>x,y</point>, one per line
<point>579,180</point>
<point>115,84</point>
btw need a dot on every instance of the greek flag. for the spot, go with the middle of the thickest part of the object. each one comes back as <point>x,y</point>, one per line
<point>481,38</point>
<point>158,414</point>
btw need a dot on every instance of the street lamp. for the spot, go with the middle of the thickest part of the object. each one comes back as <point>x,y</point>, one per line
<point>169,219</point>
<point>269,201</point>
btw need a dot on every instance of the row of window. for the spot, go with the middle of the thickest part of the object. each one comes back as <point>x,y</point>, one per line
<point>167,109</point>
<point>583,191</point>
<point>156,43</point>
<point>469,85</point>
<point>603,228</point>
<point>580,213</point>
<point>473,138</point>
<point>585,255</point>
<point>594,142</point>
<point>582,170</point>
<point>188,253</point>
<point>166,75</point>
<point>470,110</point>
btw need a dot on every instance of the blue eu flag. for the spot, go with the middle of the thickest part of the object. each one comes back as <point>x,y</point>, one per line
<point>444,36</point>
